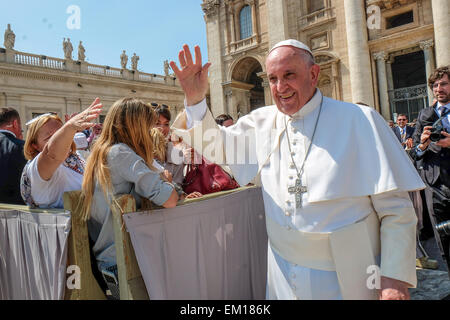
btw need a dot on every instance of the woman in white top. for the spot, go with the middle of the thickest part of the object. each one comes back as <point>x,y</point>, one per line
<point>54,167</point>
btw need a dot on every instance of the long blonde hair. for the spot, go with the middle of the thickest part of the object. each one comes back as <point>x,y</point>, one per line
<point>159,144</point>
<point>128,121</point>
<point>29,150</point>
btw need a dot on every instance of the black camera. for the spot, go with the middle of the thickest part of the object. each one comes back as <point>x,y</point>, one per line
<point>443,228</point>
<point>437,128</point>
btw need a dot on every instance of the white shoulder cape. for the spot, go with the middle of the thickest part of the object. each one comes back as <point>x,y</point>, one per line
<point>354,152</point>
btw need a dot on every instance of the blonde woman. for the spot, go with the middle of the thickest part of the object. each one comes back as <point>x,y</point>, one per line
<point>176,151</point>
<point>54,167</point>
<point>160,154</point>
<point>121,162</point>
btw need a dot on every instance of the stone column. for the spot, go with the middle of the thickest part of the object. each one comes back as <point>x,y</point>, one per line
<point>232,22</point>
<point>390,76</point>
<point>72,105</point>
<point>427,47</point>
<point>2,100</point>
<point>252,4</point>
<point>266,86</point>
<point>390,79</point>
<point>441,21</point>
<point>336,83</point>
<point>358,52</point>
<point>380,58</point>
<point>15,101</point>
<point>214,29</point>
<point>229,97</point>
<point>277,21</point>
<point>248,95</point>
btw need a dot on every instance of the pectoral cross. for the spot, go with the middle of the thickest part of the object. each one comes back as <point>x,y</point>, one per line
<point>299,190</point>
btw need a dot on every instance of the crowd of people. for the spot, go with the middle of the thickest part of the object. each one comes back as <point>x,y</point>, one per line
<point>314,181</point>
<point>132,152</point>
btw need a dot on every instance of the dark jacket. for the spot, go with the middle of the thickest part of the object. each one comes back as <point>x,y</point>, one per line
<point>409,133</point>
<point>435,162</point>
<point>12,161</point>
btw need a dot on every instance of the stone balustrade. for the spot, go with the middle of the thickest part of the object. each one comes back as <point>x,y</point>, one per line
<point>319,16</point>
<point>244,44</point>
<point>40,61</point>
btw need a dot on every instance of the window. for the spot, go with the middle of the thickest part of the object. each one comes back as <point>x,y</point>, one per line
<point>315,5</point>
<point>399,20</point>
<point>245,21</point>
<point>36,114</point>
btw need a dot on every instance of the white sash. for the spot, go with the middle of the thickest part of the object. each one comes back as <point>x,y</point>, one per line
<point>349,251</point>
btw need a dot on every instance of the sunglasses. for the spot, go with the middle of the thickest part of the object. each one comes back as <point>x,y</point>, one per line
<point>156,105</point>
<point>40,116</point>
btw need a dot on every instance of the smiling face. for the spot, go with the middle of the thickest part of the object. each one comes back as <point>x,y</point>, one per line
<point>163,124</point>
<point>45,133</point>
<point>402,121</point>
<point>292,79</point>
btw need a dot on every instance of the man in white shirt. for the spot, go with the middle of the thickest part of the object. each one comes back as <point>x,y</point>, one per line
<point>336,202</point>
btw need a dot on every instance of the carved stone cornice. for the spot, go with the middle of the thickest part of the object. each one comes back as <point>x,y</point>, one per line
<point>387,4</point>
<point>30,75</point>
<point>427,44</point>
<point>211,7</point>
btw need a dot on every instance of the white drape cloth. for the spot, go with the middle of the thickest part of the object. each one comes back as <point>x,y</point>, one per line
<point>33,255</point>
<point>211,249</point>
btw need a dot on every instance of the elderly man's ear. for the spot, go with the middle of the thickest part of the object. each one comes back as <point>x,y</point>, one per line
<point>315,70</point>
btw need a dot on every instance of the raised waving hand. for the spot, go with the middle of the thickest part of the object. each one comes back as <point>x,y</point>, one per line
<point>193,77</point>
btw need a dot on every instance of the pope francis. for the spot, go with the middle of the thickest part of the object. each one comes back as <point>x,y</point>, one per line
<point>335,181</point>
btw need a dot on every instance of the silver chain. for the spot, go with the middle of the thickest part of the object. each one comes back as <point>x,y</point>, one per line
<point>299,173</point>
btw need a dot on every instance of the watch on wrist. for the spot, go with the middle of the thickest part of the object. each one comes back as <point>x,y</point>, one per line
<point>178,189</point>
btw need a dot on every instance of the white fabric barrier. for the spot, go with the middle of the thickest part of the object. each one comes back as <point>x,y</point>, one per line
<point>33,255</point>
<point>210,249</point>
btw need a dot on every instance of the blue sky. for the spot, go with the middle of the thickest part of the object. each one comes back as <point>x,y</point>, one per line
<point>154,29</point>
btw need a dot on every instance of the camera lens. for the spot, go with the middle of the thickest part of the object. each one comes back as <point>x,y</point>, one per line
<point>435,136</point>
<point>444,228</point>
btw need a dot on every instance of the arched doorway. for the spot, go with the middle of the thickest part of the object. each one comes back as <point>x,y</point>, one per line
<point>245,91</point>
<point>257,92</point>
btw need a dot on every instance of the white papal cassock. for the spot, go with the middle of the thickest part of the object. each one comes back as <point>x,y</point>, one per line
<point>356,169</point>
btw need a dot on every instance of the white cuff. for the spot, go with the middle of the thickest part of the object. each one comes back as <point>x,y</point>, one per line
<point>419,151</point>
<point>195,113</point>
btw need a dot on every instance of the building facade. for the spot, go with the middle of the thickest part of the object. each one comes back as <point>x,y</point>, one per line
<point>378,52</point>
<point>35,84</point>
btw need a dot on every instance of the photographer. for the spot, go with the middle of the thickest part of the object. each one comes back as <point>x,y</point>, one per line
<point>432,153</point>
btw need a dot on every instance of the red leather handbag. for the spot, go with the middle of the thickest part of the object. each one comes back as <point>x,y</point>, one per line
<point>207,178</point>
